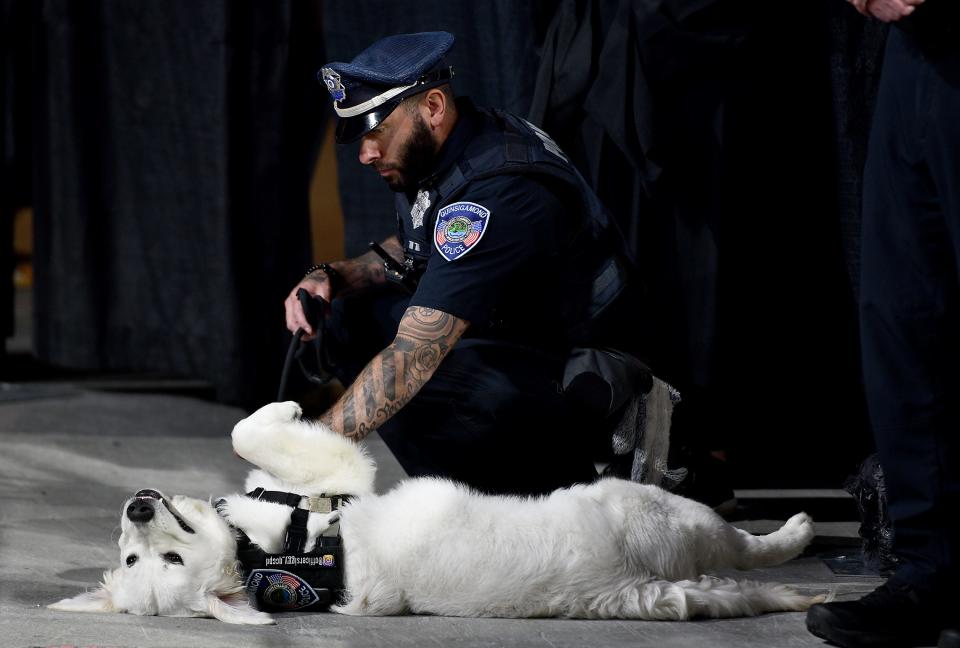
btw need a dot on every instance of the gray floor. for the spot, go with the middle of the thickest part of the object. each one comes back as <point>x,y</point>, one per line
<point>70,457</point>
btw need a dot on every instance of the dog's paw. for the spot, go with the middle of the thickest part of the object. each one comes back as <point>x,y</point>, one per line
<point>276,413</point>
<point>800,528</point>
<point>264,428</point>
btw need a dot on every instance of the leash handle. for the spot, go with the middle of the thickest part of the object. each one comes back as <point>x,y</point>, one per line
<point>315,312</point>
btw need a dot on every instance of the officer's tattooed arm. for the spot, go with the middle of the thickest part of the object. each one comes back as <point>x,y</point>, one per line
<point>397,373</point>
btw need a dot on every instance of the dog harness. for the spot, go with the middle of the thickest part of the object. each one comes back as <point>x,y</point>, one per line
<point>297,578</point>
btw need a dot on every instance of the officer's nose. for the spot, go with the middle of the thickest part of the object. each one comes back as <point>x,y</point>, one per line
<point>369,151</point>
<point>140,511</point>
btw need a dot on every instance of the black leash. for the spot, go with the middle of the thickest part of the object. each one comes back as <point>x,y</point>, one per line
<point>315,310</point>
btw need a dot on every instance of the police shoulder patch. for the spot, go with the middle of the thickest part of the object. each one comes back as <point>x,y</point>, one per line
<point>459,228</point>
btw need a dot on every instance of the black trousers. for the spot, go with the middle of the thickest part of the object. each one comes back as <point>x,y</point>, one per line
<point>910,303</point>
<point>492,416</point>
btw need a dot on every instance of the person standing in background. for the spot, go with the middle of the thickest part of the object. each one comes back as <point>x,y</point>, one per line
<point>910,327</point>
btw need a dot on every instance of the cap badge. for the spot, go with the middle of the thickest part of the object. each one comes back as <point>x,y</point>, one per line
<point>332,80</point>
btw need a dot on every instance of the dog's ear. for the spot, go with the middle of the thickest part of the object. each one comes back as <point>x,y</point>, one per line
<point>99,600</point>
<point>235,608</point>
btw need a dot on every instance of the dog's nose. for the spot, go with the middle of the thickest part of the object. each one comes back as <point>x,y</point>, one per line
<point>140,511</point>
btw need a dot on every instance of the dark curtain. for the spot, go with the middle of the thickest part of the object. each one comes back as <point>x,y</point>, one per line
<point>708,128</point>
<point>15,118</point>
<point>495,61</point>
<point>174,144</point>
<point>637,93</point>
<point>174,147</point>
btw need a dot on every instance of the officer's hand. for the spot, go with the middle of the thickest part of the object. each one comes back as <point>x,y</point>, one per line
<point>318,285</point>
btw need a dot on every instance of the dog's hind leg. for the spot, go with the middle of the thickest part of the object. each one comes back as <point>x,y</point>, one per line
<point>747,551</point>
<point>724,597</point>
<point>704,597</point>
<point>719,545</point>
<point>376,599</point>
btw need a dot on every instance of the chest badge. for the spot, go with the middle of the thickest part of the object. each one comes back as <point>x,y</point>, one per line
<point>420,208</point>
<point>460,226</point>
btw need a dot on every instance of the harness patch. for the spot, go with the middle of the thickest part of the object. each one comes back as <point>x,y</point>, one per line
<point>280,589</point>
<point>460,226</point>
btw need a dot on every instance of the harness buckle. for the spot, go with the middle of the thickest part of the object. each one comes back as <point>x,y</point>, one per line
<point>318,504</point>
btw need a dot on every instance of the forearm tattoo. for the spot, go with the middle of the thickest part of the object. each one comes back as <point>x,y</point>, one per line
<point>363,271</point>
<point>397,373</point>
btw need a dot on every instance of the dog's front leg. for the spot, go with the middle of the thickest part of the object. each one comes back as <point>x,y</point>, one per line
<point>305,454</point>
<point>272,438</point>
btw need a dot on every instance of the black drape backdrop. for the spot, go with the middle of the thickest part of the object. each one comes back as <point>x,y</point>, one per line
<point>707,127</point>
<point>174,146</point>
<point>15,67</point>
<point>174,143</point>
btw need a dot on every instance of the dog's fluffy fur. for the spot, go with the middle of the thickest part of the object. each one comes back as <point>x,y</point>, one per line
<point>611,549</point>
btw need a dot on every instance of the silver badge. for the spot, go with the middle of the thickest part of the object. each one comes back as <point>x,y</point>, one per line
<point>420,208</point>
<point>332,80</point>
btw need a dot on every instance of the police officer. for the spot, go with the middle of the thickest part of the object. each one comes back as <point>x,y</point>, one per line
<point>503,260</point>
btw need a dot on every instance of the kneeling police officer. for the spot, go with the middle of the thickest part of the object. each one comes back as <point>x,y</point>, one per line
<point>504,260</point>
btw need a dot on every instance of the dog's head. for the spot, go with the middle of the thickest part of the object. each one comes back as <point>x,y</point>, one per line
<point>178,558</point>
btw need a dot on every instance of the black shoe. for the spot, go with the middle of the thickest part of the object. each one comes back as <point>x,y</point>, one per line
<point>892,615</point>
<point>949,638</point>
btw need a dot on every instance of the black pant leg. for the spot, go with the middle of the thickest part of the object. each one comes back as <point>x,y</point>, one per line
<point>909,311</point>
<point>492,416</point>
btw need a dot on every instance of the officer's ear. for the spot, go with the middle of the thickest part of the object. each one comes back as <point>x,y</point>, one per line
<point>438,107</point>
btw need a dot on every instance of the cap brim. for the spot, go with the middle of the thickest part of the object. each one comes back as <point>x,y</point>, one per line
<point>350,129</point>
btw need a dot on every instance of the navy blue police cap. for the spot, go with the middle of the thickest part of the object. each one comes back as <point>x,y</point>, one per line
<point>367,89</point>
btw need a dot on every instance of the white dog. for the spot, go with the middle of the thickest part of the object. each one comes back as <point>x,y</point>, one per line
<point>611,549</point>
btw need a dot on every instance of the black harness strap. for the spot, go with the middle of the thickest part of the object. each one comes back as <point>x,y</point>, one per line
<point>277,497</point>
<point>319,570</point>
<point>296,538</point>
<point>296,531</point>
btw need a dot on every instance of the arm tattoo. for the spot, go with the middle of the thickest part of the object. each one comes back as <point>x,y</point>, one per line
<point>364,271</point>
<point>397,373</point>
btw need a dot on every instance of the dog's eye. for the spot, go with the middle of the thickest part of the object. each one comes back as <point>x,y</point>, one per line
<point>173,558</point>
<point>131,559</point>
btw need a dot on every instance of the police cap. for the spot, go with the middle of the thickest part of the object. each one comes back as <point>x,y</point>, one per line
<point>367,89</point>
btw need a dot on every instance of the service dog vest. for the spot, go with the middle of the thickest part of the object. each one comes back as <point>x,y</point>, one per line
<point>296,579</point>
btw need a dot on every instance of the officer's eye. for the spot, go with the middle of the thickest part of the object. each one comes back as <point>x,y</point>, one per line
<point>131,560</point>
<point>174,558</point>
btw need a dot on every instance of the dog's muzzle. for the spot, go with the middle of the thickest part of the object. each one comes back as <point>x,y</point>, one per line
<point>142,508</point>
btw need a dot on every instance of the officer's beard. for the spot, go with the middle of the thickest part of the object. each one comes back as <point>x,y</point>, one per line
<point>416,159</point>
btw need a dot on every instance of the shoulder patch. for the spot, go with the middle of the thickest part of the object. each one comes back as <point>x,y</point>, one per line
<point>460,226</point>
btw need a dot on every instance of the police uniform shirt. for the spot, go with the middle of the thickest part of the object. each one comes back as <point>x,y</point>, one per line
<point>509,284</point>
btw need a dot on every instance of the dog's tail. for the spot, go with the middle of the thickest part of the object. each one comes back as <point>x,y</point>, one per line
<point>706,597</point>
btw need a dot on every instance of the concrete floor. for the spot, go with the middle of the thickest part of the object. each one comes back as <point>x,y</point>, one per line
<point>71,456</point>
